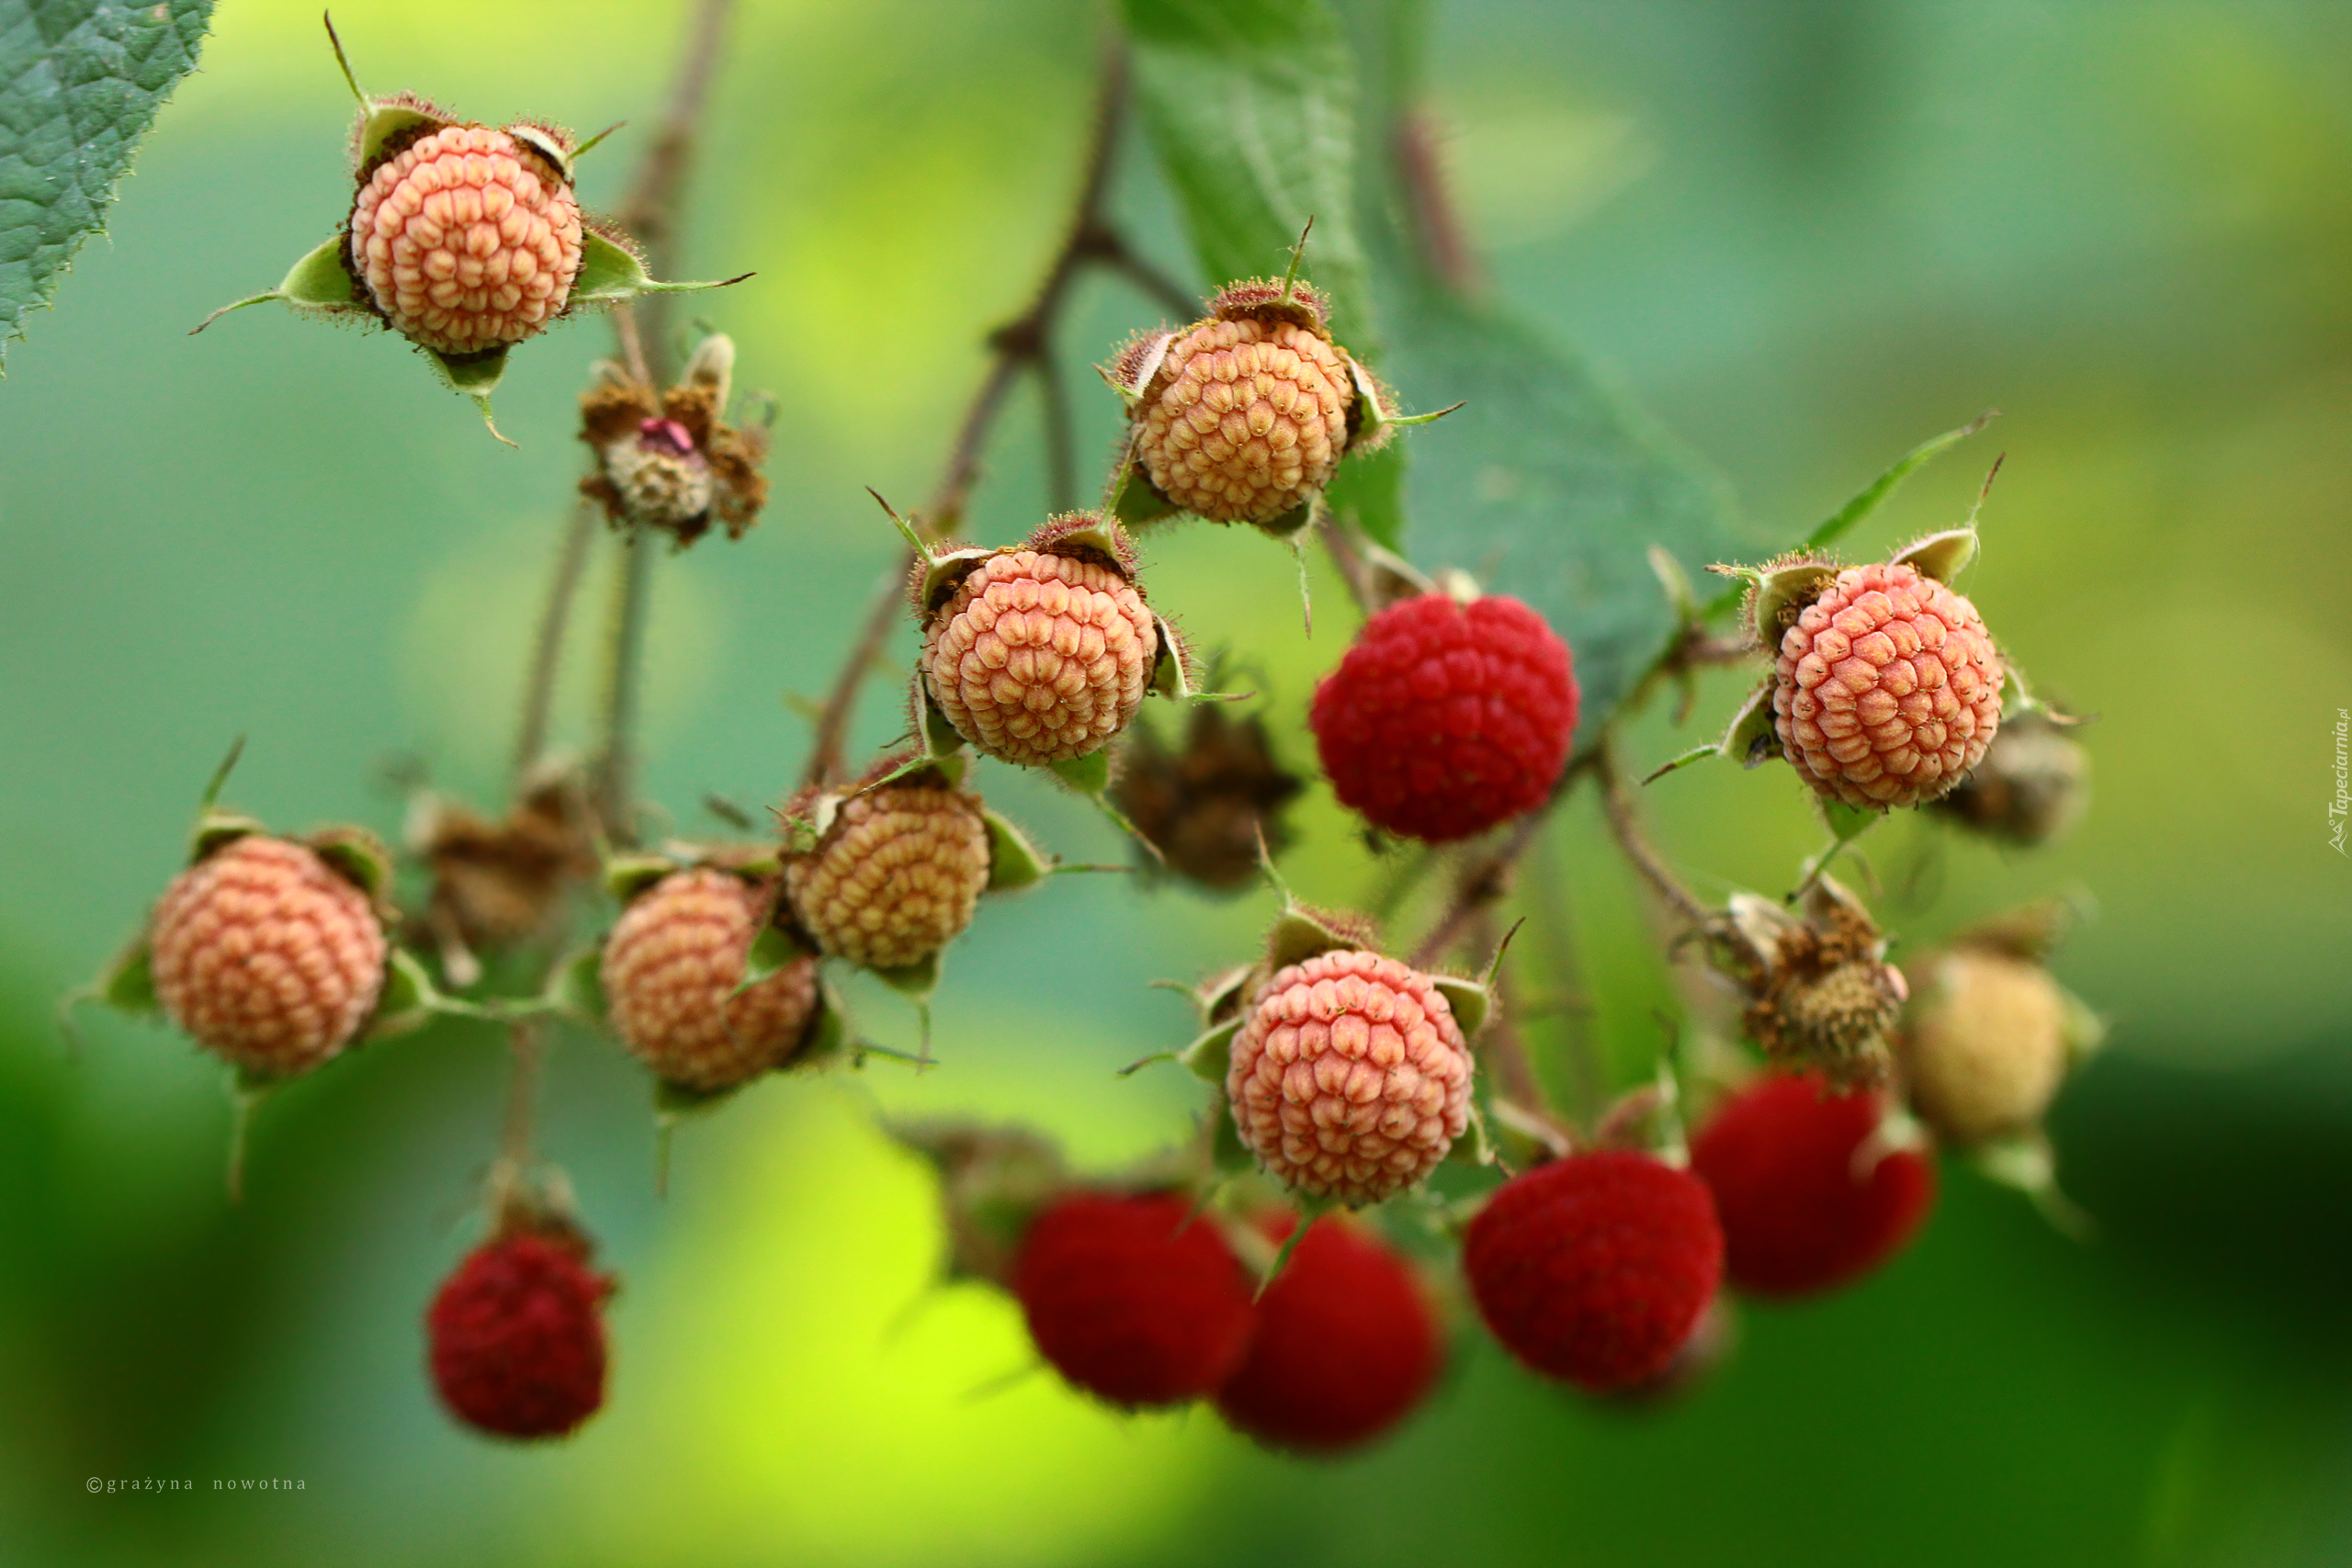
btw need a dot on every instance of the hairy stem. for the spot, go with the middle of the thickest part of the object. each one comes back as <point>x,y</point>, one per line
<point>1625,824</point>
<point>547,643</point>
<point>1021,345</point>
<point>1481,883</point>
<point>624,659</point>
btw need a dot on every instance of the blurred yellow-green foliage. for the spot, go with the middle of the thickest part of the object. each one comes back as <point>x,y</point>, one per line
<point>1804,236</point>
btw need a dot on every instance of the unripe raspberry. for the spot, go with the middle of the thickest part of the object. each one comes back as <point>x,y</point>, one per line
<point>1137,1300</point>
<point>1040,658</point>
<point>1346,1346</point>
<point>1350,1078</point>
<point>1245,417</point>
<point>1445,719</point>
<point>1808,1197</point>
<point>517,1336</point>
<point>1596,1267</point>
<point>267,957</point>
<point>895,877</point>
<point>670,969</point>
<point>1887,689</point>
<point>468,239</point>
<point>1987,1047</point>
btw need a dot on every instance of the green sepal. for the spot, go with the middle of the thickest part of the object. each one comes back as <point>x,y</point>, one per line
<point>2018,700</point>
<point>1136,501</point>
<point>1309,1207</point>
<point>1940,556</point>
<point>610,271</point>
<point>945,572</point>
<point>1753,737</point>
<point>409,1001</point>
<point>673,1101</point>
<point>627,875</point>
<point>128,983</point>
<point>1220,996</point>
<point>2082,1028</point>
<point>1297,936</point>
<point>216,829</point>
<point>916,981</point>
<point>829,1032</point>
<point>474,376</point>
<point>1779,588</point>
<point>359,859</point>
<point>1835,527</point>
<point>941,739</point>
<point>771,951</point>
<point>1471,1001</point>
<point>380,119</point>
<point>320,281</point>
<point>2025,1161</point>
<point>576,988</point>
<point>1089,775</point>
<point>1288,523</point>
<point>1846,823</point>
<point>1374,418</point>
<point>1013,862</point>
<point>1210,1053</point>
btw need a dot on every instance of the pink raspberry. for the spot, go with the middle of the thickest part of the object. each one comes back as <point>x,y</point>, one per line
<point>671,970</point>
<point>516,1336</point>
<point>266,956</point>
<point>465,239</point>
<point>1040,658</point>
<point>1444,719</point>
<point>1888,689</point>
<point>1246,418</point>
<point>896,876</point>
<point>1349,1078</point>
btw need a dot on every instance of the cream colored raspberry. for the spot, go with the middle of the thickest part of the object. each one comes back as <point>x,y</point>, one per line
<point>266,956</point>
<point>1350,1078</point>
<point>1040,658</point>
<point>895,877</point>
<point>1888,690</point>
<point>1987,1049</point>
<point>1250,417</point>
<point>671,970</point>
<point>467,239</point>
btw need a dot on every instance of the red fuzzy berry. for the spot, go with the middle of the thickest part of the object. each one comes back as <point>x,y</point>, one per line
<point>1135,1300</point>
<point>1595,1269</point>
<point>1346,1346</point>
<point>517,1337</point>
<point>1445,719</point>
<point>1805,1204</point>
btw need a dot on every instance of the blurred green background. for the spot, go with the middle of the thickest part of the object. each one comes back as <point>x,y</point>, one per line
<point>1805,236</point>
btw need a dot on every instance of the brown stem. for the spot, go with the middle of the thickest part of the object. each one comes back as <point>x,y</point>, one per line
<point>1617,805</point>
<point>651,211</point>
<point>624,666</point>
<point>1500,1042</point>
<point>1482,882</point>
<point>1061,434</point>
<point>1436,228</point>
<point>1021,344</point>
<point>546,644</point>
<point>529,1051</point>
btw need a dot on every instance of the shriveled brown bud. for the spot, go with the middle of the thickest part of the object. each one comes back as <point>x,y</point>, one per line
<point>1206,806</point>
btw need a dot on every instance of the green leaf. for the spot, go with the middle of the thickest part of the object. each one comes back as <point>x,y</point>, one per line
<point>1252,106</point>
<point>80,82</point>
<point>1887,483</point>
<point>1549,486</point>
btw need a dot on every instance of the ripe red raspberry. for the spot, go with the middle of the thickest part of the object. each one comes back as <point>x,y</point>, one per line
<point>670,971</point>
<point>1805,1204</point>
<point>266,956</point>
<point>517,1336</point>
<point>1596,1267</point>
<point>895,877</point>
<point>1245,417</point>
<point>465,239</point>
<point>1040,658</point>
<point>1346,1345</point>
<point>1988,1046</point>
<point>1349,1078</point>
<point>1888,690</point>
<point>1445,719</point>
<point>1135,1300</point>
